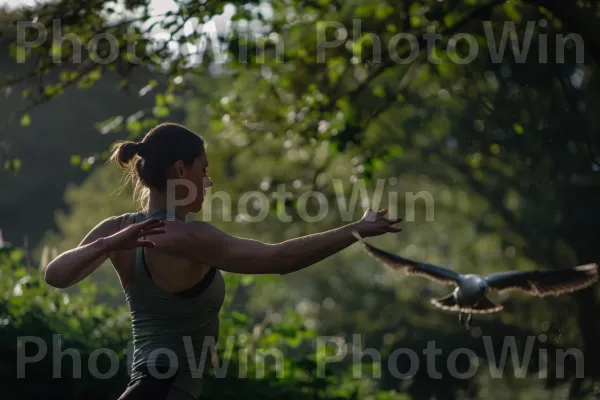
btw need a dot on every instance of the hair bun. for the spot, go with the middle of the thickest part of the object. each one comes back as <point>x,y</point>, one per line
<point>128,150</point>
<point>140,148</point>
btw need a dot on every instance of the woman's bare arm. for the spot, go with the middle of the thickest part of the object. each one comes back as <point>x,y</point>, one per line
<point>208,245</point>
<point>75,264</point>
<point>71,266</point>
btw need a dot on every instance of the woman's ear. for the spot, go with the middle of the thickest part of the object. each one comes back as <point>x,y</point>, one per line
<point>179,168</point>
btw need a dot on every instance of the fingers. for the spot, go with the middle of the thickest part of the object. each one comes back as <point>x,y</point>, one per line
<point>151,223</point>
<point>148,222</point>
<point>393,224</point>
<point>156,224</point>
<point>369,215</point>
<point>146,243</point>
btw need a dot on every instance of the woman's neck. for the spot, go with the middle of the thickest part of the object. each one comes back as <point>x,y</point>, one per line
<point>158,203</point>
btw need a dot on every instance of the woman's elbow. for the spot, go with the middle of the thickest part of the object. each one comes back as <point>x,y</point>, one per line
<point>276,260</point>
<point>54,280</point>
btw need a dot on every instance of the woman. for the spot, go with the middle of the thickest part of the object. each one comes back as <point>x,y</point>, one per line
<point>172,279</point>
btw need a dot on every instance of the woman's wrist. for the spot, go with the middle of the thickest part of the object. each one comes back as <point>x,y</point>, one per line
<point>102,246</point>
<point>359,227</point>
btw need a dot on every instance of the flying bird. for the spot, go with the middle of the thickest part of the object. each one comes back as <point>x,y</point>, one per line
<point>470,295</point>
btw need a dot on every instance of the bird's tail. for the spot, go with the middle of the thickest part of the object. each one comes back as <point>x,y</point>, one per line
<point>448,302</point>
<point>486,306</point>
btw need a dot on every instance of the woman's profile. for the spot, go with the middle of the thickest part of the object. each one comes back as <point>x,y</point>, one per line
<point>170,268</point>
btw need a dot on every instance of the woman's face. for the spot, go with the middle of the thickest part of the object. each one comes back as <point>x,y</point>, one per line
<point>197,177</point>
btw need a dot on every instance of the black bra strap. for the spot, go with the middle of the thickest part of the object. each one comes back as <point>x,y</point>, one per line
<point>190,292</point>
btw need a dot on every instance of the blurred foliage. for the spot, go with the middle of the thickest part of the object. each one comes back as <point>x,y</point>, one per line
<point>507,145</point>
<point>53,325</point>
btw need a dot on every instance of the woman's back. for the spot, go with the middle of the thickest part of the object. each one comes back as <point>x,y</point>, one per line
<point>171,328</point>
<point>169,268</point>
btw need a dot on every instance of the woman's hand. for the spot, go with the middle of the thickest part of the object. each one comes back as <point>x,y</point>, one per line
<point>130,237</point>
<point>374,223</point>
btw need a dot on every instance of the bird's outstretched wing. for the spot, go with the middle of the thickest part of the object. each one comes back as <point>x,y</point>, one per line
<point>448,303</point>
<point>433,272</point>
<point>545,282</point>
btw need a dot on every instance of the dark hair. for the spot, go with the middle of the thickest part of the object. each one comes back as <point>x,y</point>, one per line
<point>146,162</point>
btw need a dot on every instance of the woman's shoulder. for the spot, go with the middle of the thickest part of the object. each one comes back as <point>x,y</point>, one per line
<point>191,236</point>
<point>202,230</point>
<point>115,223</point>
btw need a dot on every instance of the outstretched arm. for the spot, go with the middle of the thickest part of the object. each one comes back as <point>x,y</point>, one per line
<point>209,245</point>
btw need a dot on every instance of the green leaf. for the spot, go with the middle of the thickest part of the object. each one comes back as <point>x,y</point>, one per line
<point>53,90</point>
<point>134,126</point>
<point>95,74</point>
<point>68,76</point>
<point>451,19</point>
<point>446,69</point>
<point>383,10</point>
<point>18,52</point>
<point>56,50</point>
<point>474,160</point>
<point>160,111</point>
<point>89,79</point>
<point>379,91</point>
<point>216,125</point>
<point>239,318</point>
<point>13,165</point>
<point>518,128</point>
<point>75,159</point>
<point>17,255</point>
<point>285,82</point>
<point>364,11</point>
<point>377,164</point>
<point>25,120</point>
<point>415,21</point>
<point>511,11</point>
<point>289,333</point>
<point>335,68</point>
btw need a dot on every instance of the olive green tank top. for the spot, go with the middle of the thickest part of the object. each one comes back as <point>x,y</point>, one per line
<point>176,330</point>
